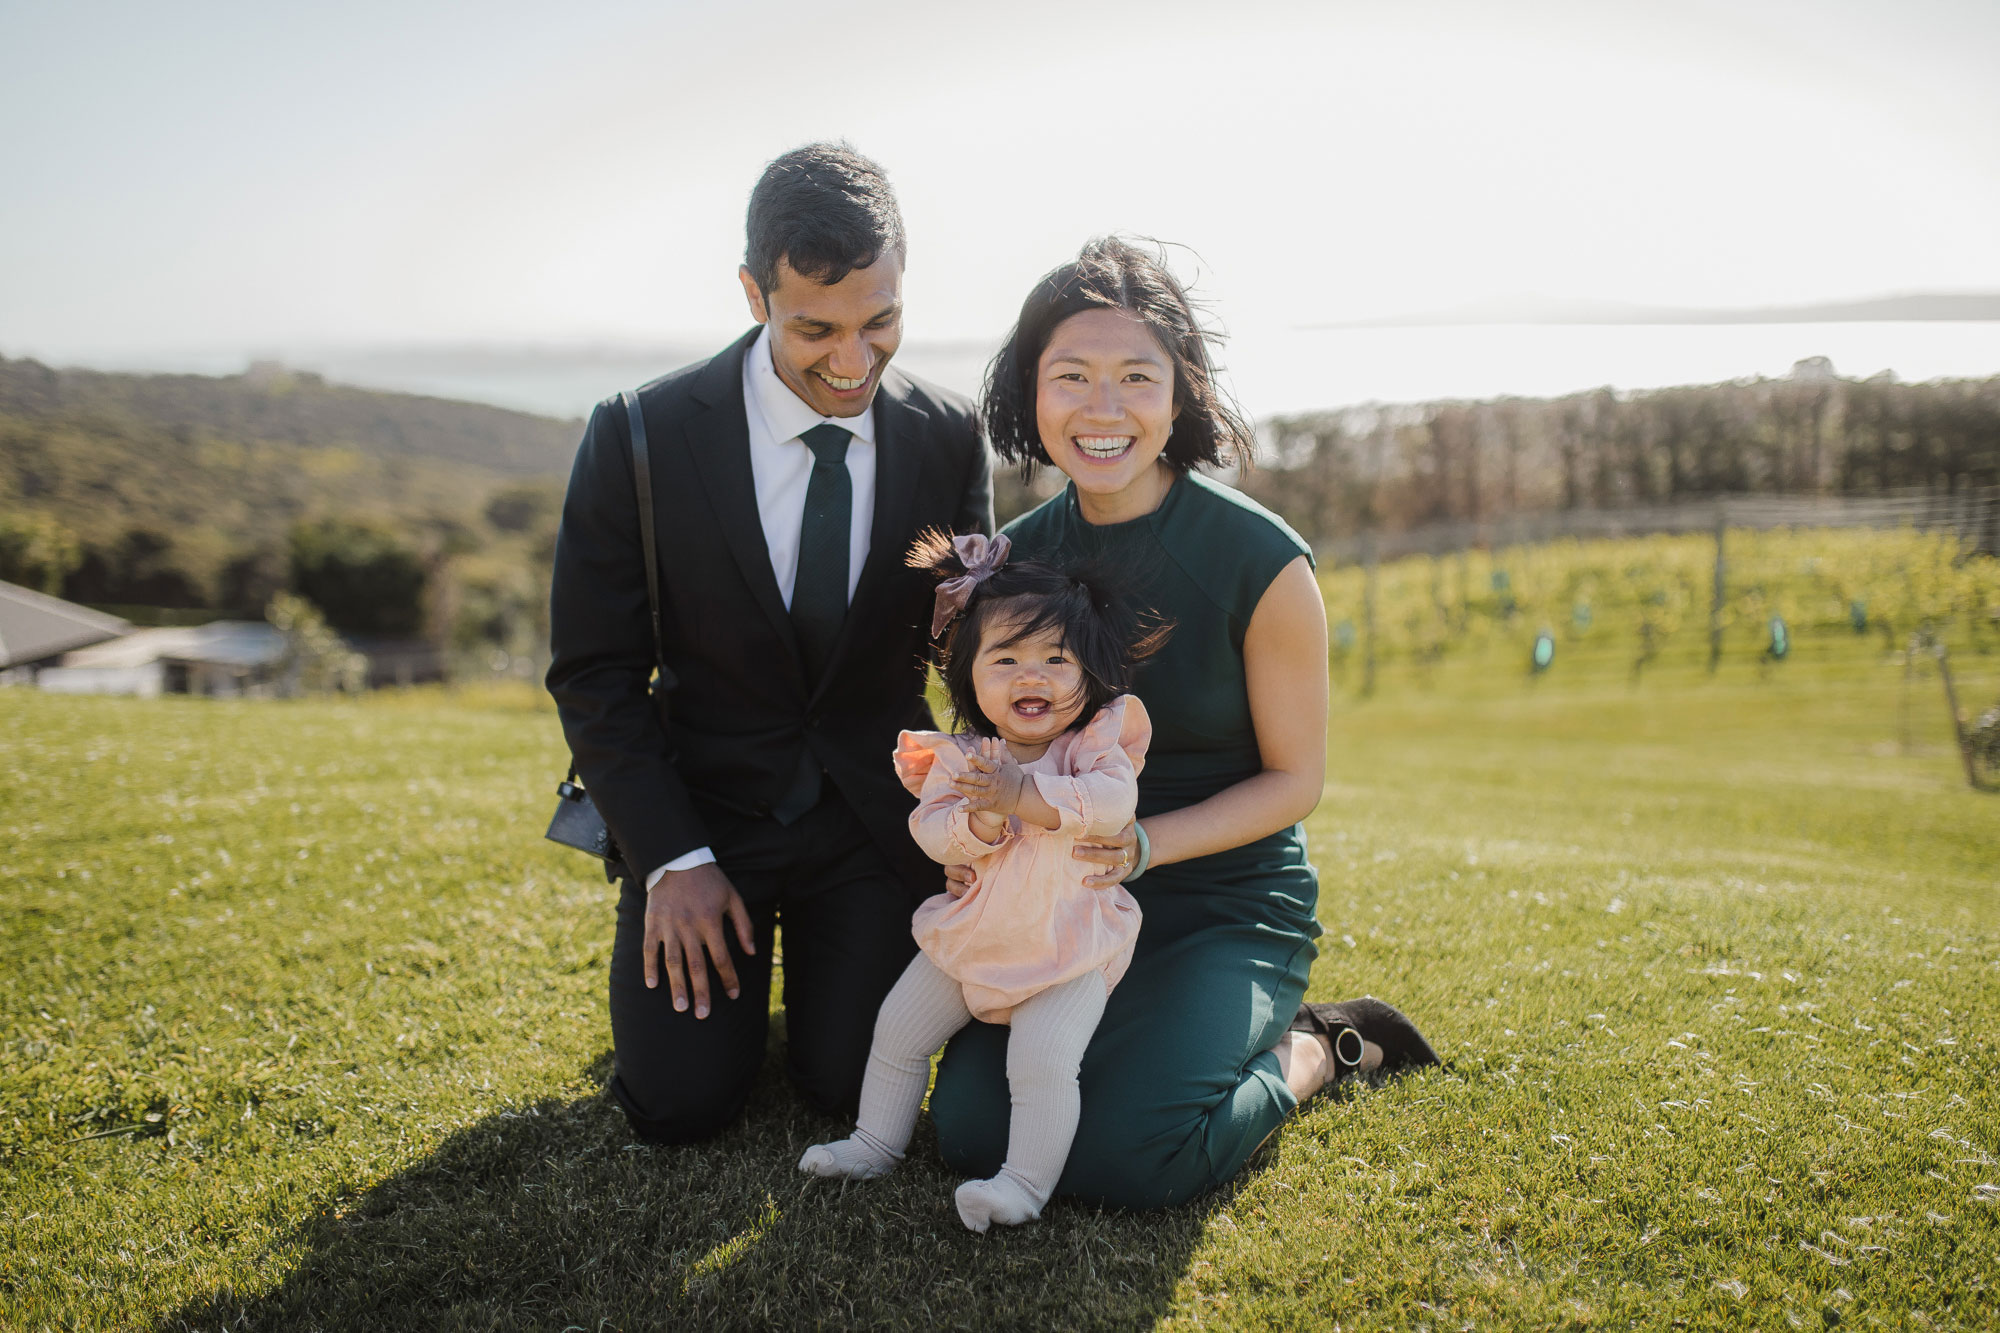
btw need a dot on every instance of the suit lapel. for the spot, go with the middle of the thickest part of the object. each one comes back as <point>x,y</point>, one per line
<point>899,428</point>
<point>718,439</point>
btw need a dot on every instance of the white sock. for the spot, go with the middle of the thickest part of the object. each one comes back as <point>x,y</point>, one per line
<point>923,1009</point>
<point>1050,1031</point>
<point>862,1157</point>
<point>1003,1199</point>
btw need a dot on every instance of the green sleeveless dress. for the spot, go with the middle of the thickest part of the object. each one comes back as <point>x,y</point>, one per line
<point>1179,1086</point>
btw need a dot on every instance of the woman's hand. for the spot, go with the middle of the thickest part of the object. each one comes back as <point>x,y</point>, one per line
<point>991,784</point>
<point>1116,853</point>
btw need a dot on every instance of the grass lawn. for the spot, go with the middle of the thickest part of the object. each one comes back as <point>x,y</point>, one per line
<point>301,1026</point>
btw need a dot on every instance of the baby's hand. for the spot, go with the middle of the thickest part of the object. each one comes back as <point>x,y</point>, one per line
<point>991,784</point>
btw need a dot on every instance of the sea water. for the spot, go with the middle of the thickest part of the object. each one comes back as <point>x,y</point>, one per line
<point>1273,370</point>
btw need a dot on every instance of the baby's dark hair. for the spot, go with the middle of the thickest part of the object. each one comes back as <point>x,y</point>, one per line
<point>1098,627</point>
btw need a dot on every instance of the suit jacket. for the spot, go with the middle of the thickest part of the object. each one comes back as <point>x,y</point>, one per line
<point>702,761</point>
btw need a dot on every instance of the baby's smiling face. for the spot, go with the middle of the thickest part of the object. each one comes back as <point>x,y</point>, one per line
<point>1029,687</point>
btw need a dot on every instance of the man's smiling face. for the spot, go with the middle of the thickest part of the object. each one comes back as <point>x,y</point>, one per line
<point>831,343</point>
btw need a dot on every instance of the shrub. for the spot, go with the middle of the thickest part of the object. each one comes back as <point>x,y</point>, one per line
<point>143,567</point>
<point>316,658</point>
<point>524,506</point>
<point>360,576</point>
<point>37,552</point>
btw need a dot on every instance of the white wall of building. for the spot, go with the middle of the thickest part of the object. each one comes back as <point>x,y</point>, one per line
<point>146,680</point>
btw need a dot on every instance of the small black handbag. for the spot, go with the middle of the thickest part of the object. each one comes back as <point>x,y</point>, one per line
<point>577,822</point>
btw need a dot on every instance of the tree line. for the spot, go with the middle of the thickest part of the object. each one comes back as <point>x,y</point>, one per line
<point>367,577</point>
<point>1391,468</point>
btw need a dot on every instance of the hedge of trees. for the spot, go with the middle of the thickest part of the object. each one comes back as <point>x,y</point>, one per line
<point>367,578</point>
<point>1391,468</point>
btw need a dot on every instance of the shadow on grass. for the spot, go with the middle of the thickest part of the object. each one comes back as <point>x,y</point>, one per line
<point>551,1217</point>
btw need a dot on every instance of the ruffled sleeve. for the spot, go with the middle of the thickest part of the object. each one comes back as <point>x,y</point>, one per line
<point>1100,791</point>
<point>916,752</point>
<point>927,761</point>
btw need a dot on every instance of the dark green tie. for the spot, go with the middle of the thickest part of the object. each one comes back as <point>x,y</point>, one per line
<point>819,589</point>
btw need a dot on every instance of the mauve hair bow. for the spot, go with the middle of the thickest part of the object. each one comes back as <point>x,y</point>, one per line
<point>980,557</point>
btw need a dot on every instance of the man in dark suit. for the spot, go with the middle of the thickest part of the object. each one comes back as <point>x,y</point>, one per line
<point>752,786</point>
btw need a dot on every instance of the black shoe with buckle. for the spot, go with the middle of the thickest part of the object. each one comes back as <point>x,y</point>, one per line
<point>1341,1038</point>
<point>1372,1020</point>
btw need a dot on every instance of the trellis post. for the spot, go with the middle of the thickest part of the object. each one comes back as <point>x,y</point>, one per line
<point>1721,590</point>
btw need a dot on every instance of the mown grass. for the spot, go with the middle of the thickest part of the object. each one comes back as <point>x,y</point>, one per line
<point>304,1028</point>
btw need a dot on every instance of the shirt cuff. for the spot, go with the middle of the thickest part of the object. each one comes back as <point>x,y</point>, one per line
<point>970,844</point>
<point>700,856</point>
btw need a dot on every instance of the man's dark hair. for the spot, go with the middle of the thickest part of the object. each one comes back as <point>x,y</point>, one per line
<point>1115,274</point>
<point>1088,608</point>
<point>824,209</point>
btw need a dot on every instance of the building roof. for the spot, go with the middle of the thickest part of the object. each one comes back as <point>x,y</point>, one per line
<point>34,626</point>
<point>241,643</point>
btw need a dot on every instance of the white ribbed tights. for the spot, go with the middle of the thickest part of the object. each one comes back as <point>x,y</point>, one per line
<point>1050,1030</point>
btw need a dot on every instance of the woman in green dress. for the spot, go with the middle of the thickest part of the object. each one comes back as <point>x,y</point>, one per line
<point>1204,1047</point>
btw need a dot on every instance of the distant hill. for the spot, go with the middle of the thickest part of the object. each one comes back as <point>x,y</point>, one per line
<point>182,490</point>
<point>269,405</point>
<point>1914,308</point>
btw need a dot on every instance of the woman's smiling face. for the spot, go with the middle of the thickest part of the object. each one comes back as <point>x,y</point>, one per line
<point>1104,405</point>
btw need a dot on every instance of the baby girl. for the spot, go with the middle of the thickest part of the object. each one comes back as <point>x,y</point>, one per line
<point>1035,663</point>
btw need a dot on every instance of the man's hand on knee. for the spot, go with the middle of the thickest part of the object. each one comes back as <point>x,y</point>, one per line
<point>685,914</point>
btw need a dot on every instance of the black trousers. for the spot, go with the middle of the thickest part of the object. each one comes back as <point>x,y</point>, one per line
<point>846,920</point>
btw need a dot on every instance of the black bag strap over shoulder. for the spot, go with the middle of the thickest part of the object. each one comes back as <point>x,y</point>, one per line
<point>642,476</point>
<point>578,823</point>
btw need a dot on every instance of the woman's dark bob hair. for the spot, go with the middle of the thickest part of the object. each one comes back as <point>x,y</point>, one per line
<point>1112,273</point>
<point>1029,597</point>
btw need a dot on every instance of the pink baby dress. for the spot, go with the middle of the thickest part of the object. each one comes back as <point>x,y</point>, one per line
<point>1030,922</point>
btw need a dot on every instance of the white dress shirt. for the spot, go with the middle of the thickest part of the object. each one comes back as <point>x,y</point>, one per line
<point>782,464</point>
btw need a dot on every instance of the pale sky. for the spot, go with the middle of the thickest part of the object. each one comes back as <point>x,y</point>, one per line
<point>203,176</point>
